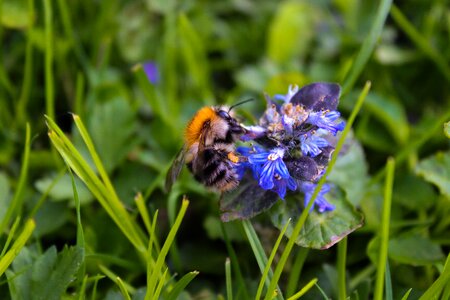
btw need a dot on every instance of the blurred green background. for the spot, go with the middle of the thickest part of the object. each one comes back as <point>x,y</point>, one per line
<point>85,57</point>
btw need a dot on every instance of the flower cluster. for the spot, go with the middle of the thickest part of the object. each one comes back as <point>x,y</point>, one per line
<point>296,136</point>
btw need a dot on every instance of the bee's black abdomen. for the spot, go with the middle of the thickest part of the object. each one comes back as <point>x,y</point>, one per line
<point>215,169</point>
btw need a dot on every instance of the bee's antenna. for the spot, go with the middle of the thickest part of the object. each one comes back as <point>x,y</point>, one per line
<point>239,103</point>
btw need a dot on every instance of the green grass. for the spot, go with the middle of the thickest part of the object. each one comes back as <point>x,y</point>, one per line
<point>83,210</point>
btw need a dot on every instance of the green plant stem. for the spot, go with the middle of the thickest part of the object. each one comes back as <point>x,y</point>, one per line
<point>49,79</point>
<point>305,289</point>
<point>16,204</point>
<point>228,279</point>
<point>267,268</point>
<point>384,230</point>
<point>235,263</point>
<point>296,270</point>
<point>341,267</point>
<point>28,69</point>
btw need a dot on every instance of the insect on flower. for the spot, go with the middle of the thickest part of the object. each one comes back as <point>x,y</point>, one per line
<point>295,139</point>
<point>209,150</point>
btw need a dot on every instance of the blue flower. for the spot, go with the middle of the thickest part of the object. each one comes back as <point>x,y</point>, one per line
<point>151,70</point>
<point>293,89</point>
<point>242,166</point>
<point>311,144</point>
<point>252,133</point>
<point>270,170</point>
<point>308,189</point>
<point>326,120</point>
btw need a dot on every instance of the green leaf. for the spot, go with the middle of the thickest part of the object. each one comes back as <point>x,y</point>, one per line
<point>62,189</point>
<point>53,284</point>
<point>291,31</point>
<point>321,230</point>
<point>181,285</point>
<point>391,114</point>
<point>414,193</point>
<point>14,14</point>
<point>436,169</point>
<point>415,250</point>
<point>350,172</point>
<point>19,276</point>
<point>50,217</point>
<point>112,125</point>
<point>46,276</point>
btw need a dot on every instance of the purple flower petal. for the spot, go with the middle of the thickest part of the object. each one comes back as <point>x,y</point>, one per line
<point>318,96</point>
<point>152,72</point>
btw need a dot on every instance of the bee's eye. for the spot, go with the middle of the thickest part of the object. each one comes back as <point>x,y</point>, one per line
<point>223,114</point>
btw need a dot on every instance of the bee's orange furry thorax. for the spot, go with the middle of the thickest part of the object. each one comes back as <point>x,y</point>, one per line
<point>195,126</point>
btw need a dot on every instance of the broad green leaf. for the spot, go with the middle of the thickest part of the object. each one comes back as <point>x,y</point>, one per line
<point>62,189</point>
<point>391,114</point>
<point>291,31</point>
<point>15,14</point>
<point>112,126</point>
<point>44,276</point>
<point>350,172</point>
<point>414,193</point>
<point>53,284</point>
<point>436,169</point>
<point>19,275</point>
<point>50,217</point>
<point>415,250</point>
<point>412,249</point>
<point>321,230</point>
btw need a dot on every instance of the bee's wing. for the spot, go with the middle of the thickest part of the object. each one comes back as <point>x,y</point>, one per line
<point>175,168</point>
<point>246,201</point>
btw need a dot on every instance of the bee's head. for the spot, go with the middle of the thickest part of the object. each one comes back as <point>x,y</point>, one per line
<point>233,124</point>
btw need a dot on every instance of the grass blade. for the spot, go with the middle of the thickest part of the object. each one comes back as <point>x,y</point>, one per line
<point>235,264</point>
<point>406,295</point>
<point>181,285</point>
<point>294,276</point>
<point>420,41</point>
<point>165,249</point>
<point>122,288</point>
<point>265,274</point>
<point>10,237</point>
<point>228,279</point>
<point>9,256</point>
<point>388,282</point>
<point>49,78</point>
<point>101,188</point>
<point>368,45</point>
<point>442,282</point>
<point>111,275</point>
<point>16,204</point>
<point>304,290</point>
<point>384,230</point>
<point>161,283</point>
<point>21,113</point>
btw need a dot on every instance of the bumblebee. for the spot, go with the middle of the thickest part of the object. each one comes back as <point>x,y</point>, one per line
<point>209,150</point>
